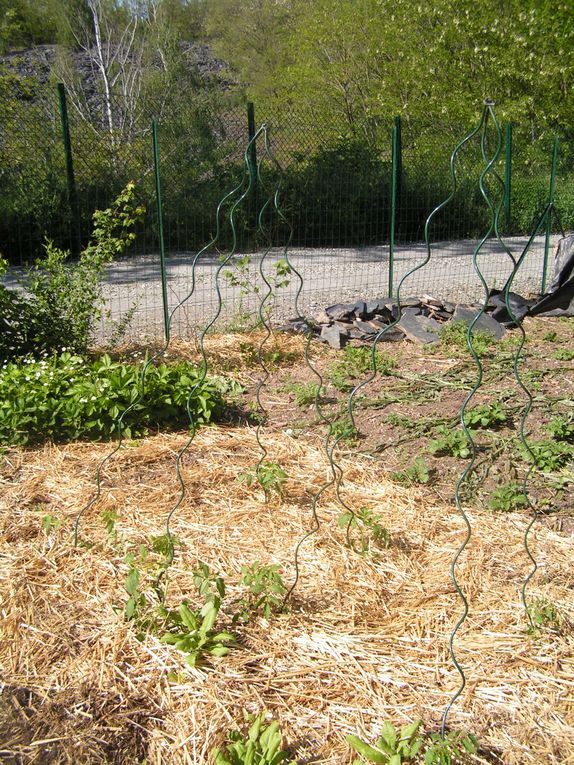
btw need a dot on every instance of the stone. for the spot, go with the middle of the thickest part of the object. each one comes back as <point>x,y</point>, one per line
<point>340,311</point>
<point>420,329</point>
<point>368,329</point>
<point>360,310</point>
<point>334,335</point>
<point>485,323</point>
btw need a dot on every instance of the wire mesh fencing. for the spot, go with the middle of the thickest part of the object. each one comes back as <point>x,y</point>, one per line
<point>357,200</point>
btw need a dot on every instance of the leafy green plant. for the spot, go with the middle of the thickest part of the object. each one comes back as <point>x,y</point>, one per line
<point>342,429</point>
<point>61,299</point>
<point>544,616</point>
<point>261,746</point>
<point>393,747</point>
<point>450,442</point>
<point>508,497</point>
<point>266,590</point>
<point>454,334</point>
<point>562,428</point>
<point>136,602</point>
<point>486,416</point>
<point>49,523</point>
<point>357,361</point>
<point>305,393</point>
<point>368,524</point>
<point>66,398</point>
<point>547,454</point>
<point>550,337</point>
<point>269,475</point>
<point>240,276</point>
<point>192,631</point>
<point>448,750</point>
<point>564,354</point>
<point>109,518</point>
<point>211,587</point>
<point>418,472</point>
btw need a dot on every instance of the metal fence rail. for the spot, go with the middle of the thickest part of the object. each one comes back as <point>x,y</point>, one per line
<point>357,202</point>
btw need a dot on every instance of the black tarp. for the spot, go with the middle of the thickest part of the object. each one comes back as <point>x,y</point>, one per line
<point>558,301</point>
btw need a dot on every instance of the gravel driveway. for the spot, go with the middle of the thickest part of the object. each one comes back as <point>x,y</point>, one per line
<point>329,276</point>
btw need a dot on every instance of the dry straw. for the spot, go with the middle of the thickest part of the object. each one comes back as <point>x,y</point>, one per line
<point>366,639</point>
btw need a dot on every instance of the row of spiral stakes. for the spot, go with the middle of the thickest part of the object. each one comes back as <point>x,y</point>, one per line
<point>264,176</point>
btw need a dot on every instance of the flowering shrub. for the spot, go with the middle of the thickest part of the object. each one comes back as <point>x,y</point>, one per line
<point>66,397</point>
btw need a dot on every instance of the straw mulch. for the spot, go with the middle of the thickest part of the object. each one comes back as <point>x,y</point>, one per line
<point>366,639</point>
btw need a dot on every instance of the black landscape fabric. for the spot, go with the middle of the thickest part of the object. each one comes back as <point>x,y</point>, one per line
<point>558,301</point>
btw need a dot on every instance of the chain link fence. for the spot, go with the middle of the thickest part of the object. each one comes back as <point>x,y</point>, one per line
<point>357,226</point>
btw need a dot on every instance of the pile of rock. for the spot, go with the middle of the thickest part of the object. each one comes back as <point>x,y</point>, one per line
<point>421,320</point>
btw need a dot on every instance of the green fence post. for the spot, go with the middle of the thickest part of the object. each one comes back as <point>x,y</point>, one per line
<point>549,211</point>
<point>507,175</point>
<point>75,239</point>
<point>252,158</point>
<point>160,229</point>
<point>396,168</point>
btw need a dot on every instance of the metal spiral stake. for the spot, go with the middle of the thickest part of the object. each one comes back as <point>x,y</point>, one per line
<point>263,313</point>
<point>308,339</point>
<point>149,359</point>
<point>204,365</point>
<point>545,218</point>
<point>488,113</point>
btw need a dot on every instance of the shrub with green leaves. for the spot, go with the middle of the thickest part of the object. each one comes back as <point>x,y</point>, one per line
<point>192,631</point>
<point>60,298</point>
<point>66,397</point>
<point>486,416</point>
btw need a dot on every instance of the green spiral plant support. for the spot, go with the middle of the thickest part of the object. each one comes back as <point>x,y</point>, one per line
<point>141,389</point>
<point>308,339</point>
<point>545,216</point>
<point>204,365</point>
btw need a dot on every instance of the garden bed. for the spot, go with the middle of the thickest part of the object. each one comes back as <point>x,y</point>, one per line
<point>365,637</point>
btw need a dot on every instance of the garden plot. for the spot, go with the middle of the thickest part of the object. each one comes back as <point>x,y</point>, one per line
<point>365,637</point>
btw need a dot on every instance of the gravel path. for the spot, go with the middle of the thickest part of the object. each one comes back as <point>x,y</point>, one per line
<point>133,285</point>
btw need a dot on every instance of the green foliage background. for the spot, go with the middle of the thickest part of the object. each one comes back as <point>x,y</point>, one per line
<point>328,77</point>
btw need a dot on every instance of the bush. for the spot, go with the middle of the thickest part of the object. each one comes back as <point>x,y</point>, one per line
<point>66,397</point>
<point>60,299</point>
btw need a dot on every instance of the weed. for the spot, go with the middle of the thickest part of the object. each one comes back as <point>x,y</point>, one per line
<point>563,354</point>
<point>486,416</point>
<point>49,523</point>
<point>342,429</point>
<point>418,472</point>
<point>550,337</point>
<point>392,748</point>
<point>266,590</point>
<point>356,362</point>
<point>454,337</point>
<point>305,393</point>
<point>191,631</point>
<point>262,746</point>
<point>562,428</point>
<point>448,750</point>
<point>450,442</point>
<point>371,531</point>
<point>269,475</point>
<point>210,587</point>
<point>137,600</point>
<point>545,616</point>
<point>547,454</point>
<point>508,497</point>
<point>109,517</point>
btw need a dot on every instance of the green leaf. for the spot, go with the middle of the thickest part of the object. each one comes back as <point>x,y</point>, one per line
<point>132,581</point>
<point>375,755</point>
